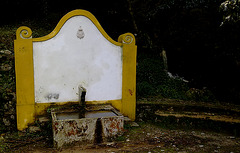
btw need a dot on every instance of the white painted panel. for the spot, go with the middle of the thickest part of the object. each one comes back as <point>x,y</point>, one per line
<point>78,55</point>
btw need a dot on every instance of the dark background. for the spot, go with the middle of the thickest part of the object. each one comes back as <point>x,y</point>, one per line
<point>197,47</point>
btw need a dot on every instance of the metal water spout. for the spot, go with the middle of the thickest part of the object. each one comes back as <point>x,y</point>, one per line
<point>82,104</point>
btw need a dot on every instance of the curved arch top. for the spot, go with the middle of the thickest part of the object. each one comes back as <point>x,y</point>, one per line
<point>71,14</point>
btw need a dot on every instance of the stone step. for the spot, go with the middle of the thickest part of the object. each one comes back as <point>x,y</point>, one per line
<point>43,119</point>
<point>189,106</point>
<point>200,121</point>
<point>200,115</point>
<point>213,117</point>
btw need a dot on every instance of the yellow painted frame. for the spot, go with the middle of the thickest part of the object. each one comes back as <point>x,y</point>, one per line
<point>27,109</point>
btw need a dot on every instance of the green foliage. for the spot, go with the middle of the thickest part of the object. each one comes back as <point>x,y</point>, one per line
<point>145,89</point>
<point>173,88</point>
<point>7,36</point>
<point>230,9</point>
<point>153,80</point>
<point>149,75</point>
<point>3,146</point>
<point>120,138</point>
<point>200,95</point>
<point>151,70</point>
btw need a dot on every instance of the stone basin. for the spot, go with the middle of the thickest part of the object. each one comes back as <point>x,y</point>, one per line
<point>99,124</point>
<point>88,114</point>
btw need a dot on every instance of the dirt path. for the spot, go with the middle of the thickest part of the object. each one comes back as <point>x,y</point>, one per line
<point>148,138</point>
<point>156,133</point>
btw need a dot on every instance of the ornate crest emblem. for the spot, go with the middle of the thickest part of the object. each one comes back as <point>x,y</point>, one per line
<point>80,33</point>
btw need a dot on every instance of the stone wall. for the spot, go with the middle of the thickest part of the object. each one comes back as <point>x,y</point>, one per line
<point>7,91</point>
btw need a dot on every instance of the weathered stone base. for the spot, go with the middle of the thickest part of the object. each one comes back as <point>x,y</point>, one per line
<point>86,130</point>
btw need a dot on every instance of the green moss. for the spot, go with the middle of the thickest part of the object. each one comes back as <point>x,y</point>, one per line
<point>120,138</point>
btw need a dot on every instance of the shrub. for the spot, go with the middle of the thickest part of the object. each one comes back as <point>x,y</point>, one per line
<point>153,80</point>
